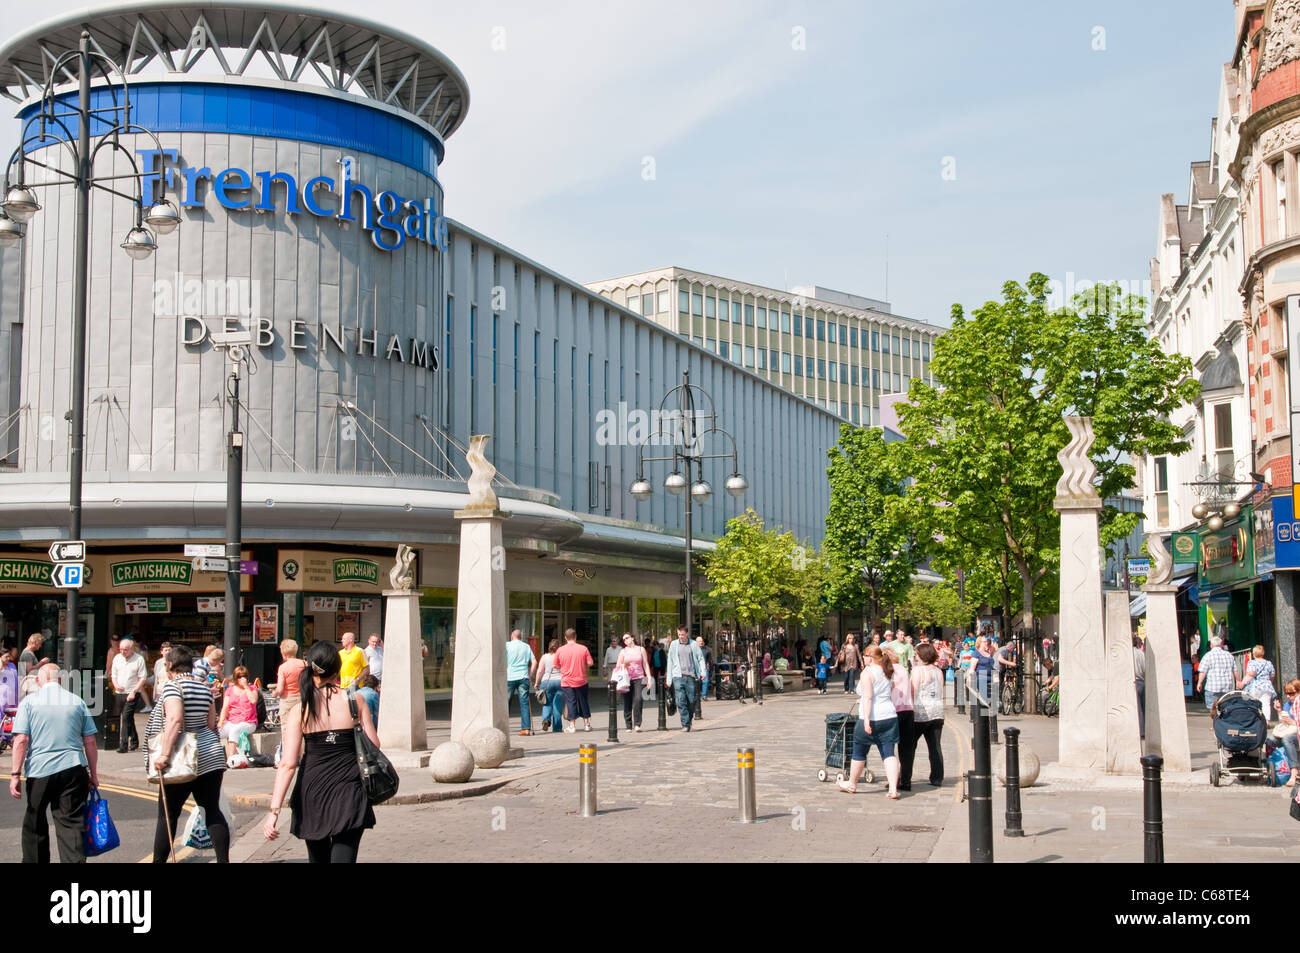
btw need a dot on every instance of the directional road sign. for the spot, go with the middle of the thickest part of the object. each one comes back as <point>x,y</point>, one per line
<point>211,564</point>
<point>248,567</point>
<point>205,549</point>
<point>68,575</point>
<point>68,550</point>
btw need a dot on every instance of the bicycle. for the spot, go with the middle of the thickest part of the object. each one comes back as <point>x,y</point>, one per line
<point>1012,701</point>
<point>1049,701</point>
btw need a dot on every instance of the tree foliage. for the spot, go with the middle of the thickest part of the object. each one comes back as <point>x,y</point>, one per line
<point>758,576</point>
<point>871,548</point>
<point>940,605</point>
<point>981,442</point>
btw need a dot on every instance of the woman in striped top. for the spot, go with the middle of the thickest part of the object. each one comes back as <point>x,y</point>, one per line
<point>185,704</point>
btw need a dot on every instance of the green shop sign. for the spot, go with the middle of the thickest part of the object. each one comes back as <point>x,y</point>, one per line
<point>356,570</point>
<point>1229,555</point>
<point>175,572</point>
<point>26,570</point>
<point>1186,547</point>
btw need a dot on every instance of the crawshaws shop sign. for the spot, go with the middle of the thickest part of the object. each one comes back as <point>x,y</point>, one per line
<point>307,570</point>
<point>123,574</point>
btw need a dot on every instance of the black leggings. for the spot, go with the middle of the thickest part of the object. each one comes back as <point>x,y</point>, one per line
<point>932,732</point>
<point>206,789</point>
<point>339,849</point>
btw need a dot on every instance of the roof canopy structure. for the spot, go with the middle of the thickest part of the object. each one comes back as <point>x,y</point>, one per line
<point>342,52</point>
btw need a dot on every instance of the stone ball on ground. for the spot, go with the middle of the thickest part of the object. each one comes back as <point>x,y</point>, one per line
<point>1029,765</point>
<point>451,763</point>
<point>489,746</point>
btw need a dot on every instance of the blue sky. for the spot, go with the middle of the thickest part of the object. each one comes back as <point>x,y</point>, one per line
<point>784,165</point>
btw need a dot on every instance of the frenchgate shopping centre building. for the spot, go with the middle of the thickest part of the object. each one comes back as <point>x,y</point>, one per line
<point>384,335</point>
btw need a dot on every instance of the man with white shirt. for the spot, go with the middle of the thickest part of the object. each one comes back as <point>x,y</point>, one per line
<point>127,675</point>
<point>611,657</point>
<point>375,656</point>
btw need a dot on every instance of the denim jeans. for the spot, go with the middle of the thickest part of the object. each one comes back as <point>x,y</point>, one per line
<point>554,705</point>
<point>1212,697</point>
<point>519,686</point>
<point>1288,744</point>
<point>684,689</point>
<point>850,679</point>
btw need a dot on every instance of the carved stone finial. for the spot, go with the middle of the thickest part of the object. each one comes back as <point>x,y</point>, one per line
<point>1074,489</point>
<point>400,576</point>
<point>481,494</point>
<point>1162,564</point>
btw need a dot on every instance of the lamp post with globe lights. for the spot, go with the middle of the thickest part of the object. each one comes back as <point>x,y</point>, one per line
<point>58,122</point>
<point>689,426</point>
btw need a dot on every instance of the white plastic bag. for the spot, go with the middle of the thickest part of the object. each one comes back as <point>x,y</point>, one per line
<point>196,832</point>
<point>648,691</point>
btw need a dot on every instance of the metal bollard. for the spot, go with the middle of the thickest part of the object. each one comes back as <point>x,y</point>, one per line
<point>1013,828</point>
<point>745,785</point>
<point>979,785</point>
<point>587,780</point>
<point>1153,822</point>
<point>663,704</point>
<point>613,714</point>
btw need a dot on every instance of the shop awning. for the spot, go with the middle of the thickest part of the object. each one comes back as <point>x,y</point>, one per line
<point>1137,605</point>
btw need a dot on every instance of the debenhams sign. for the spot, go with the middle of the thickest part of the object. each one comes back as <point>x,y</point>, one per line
<point>224,307</point>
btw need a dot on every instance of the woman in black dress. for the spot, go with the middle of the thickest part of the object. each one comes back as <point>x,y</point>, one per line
<point>330,809</point>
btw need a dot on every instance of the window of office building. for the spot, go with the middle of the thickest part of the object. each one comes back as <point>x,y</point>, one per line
<point>853,338</point>
<point>821,330</point>
<point>762,317</point>
<point>735,312</point>
<point>633,302</point>
<point>821,368</point>
<point>785,363</point>
<point>663,302</point>
<point>723,349</point>
<point>855,375</point>
<point>647,304</point>
<point>830,333</point>
<point>736,353</point>
<point>896,351</point>
<point>749,356</point>
<point>749,315</point>
<point>785,321</point>
<point>835,372</point>
<point>798,325</point>
<point>798,365</point>
<point>884,340</point>
<point>907,347</point>
<point>875,378</point>
<point>898,384</point>
<point>683,301</point>
<point>697,303</point>
<point>875,340</point>
<point>762,358</point>
<point>844,334</point>
<point>844,372</point>
<point>855,415</point>
<point>925,350</point>
<point>710,307</point>
<point>771,358</point>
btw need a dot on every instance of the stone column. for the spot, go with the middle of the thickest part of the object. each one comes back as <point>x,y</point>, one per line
<point>478,695</point>
<point>1123,743</point>
<point>1082,642</point>
<point>1166,704</point>
<point>403,734</point>
<point>1288,636</point>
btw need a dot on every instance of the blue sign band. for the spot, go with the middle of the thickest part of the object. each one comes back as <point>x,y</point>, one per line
<point>353,126</point>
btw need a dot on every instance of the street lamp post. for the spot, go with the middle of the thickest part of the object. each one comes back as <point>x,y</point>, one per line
<point>689,425</point>
<point>19,205</point>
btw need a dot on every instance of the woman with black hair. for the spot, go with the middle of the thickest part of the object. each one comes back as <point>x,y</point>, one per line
<point>330,808</point>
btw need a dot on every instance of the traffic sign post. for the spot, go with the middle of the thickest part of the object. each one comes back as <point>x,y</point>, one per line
<point>68,550</point>
<point>211,564</point>
<point>205,549</point>
<point>68,575</point>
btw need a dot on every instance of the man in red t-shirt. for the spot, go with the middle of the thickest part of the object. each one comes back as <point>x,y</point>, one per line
<point>573,660</point>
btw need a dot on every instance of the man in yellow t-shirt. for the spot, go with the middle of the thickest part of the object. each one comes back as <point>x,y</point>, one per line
<point>352,662</point>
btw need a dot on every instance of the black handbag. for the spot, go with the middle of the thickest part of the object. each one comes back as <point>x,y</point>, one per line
<point>1295,802</point>
<point>378,776</point>
<point>670,701</point>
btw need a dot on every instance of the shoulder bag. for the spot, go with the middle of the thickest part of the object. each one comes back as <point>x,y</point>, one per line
<point>378,776</point>
<point>183,765</point>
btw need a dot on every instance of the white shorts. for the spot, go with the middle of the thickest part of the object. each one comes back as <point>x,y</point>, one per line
<point>231,730</point>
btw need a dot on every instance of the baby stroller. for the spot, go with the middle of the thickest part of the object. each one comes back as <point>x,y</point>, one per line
<point>7,728</point>
<point>1240,730</point>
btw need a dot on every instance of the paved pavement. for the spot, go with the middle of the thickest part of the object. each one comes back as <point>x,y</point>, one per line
<point>657,782</point>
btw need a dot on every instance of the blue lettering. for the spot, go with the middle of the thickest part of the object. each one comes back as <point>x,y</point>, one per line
<point>192,177</point>
<point>351,189</point>
<point>240,183</point>
<point>309,194</point>
<point>152,159</point>
<point>290,192</point>
<point>387,204</point>
<point>414,225</point>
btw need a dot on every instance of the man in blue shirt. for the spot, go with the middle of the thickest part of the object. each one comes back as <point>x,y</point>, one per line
<point>685,669</point>
<point>519,671</point>
<point>55,736</point>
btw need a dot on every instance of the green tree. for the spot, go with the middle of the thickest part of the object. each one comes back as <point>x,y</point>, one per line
<point>927,604</point>
<point>981,442</point>
<point>758,577</point>
<point>870,548</point>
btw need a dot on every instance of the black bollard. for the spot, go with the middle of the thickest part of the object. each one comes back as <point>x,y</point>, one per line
<point>663,703</point>
<point>979,785</point>
<point>1013,828</point>
<point>1153,822</point>
<point>613,712</point>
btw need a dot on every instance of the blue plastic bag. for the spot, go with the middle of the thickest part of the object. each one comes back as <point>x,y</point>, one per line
<point>100,832</point>
<point>1281,765</point>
